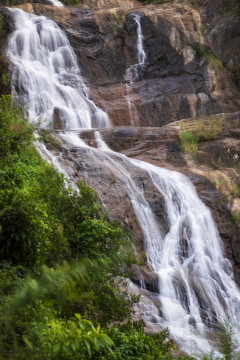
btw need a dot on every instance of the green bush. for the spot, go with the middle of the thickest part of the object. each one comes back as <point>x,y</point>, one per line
<point>42,221</point>
<point>53,297</point>
<point>188,142</point>
<point>76,338</point>
<point>131,343</point>
<point>15,132</point>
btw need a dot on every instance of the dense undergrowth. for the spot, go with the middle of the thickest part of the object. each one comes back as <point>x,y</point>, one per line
<point>59,257</point>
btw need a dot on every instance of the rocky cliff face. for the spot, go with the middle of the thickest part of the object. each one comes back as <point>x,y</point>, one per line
<point>176,81</point>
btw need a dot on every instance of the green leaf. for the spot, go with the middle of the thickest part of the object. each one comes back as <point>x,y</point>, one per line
<point>57,348</point>
<point>75,345</point>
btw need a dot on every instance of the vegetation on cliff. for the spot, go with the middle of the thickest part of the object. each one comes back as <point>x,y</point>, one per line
<point>58,261</point>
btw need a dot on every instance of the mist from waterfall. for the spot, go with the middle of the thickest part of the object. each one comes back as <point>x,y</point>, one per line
<point>196,286</point>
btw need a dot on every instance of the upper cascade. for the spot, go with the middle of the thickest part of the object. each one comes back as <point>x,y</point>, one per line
<point>134,72</point>
<point>46,76</point>
<point>141,53</point>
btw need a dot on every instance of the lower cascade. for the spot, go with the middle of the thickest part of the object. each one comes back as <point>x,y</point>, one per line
<point>196,288</point>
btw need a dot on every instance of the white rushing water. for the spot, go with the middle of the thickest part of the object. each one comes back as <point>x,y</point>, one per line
<point>195,279</point>
<point>196,286</point>
<point>56,3</point>
<point>134,73</point>
<point>47,78</point>
<point>197,291</point>
<point>140,50</point>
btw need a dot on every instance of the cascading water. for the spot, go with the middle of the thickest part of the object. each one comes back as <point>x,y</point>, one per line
<point>141,53</point>
<point>196,286</point>
<point>56,3</point>
<point>200,271</point>
<point>135,71</point>
<point>197,292</point>
<point>47,78</point>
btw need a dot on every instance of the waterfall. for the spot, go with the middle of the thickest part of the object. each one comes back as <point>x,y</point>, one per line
<point>135,71</point>
<point>56,3</point>
<point>140,51</point>
<point>196,286</point>
<point>197,292</point>
<point>46,76</point>
<point>195,279</point>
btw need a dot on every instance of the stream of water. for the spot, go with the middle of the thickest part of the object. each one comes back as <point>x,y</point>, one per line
<point>47,77</point>
<point>196,286</point>
<point>134,72</point>
<point>56,3</point>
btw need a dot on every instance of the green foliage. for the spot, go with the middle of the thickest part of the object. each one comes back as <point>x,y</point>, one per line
<point>233,7</point>
<point>131,343</point>
<point>95,237</point>
<point>208,53</point>
<point>75,338</point>
<point>15,133</point>
<point>99,299</point>
<point>188,142</point>
<point>34,328</point>
<point>226,342</point>
<point>159,1</point>
<point>36,325</point>
<point>71,2</point>
<point>46,137</point>
<point>234,217</point>
<point>200,131</point>
<point>195,4</point>
<point>235,191</point>
<point>2,31</point>
<point>5,79</point>
<point>226,346</point>
<point>207,131</point>
<point>39,302</point>
<point>40,220</point>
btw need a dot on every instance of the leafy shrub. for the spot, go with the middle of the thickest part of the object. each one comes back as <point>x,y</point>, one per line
<point>37,303</point>
<point>15,132</point>
<point>76,338</point>
<point>131,343</point>
<point>40,220</point>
